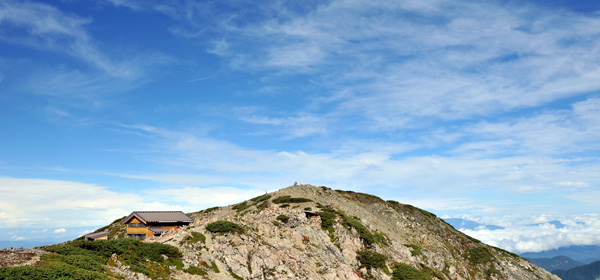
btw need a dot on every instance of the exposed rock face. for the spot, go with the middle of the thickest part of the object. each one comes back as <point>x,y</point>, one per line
<point>301,249</point>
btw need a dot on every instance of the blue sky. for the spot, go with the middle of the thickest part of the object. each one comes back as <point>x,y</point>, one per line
<point>487,111</point>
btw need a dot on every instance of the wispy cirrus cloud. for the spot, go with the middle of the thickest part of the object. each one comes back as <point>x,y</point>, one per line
<point>302,125</point>
<point>49,29</point>
<point>552,132</point>
<point>444,60</point>
<point>98,71</point>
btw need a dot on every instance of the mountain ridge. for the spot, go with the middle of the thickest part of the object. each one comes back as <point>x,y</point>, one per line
<point>559,262</point>
<point>585,272</point>
<point>581,253</point>
<point>308,232</point>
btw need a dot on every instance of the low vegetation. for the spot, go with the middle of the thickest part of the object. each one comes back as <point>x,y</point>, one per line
<point>283,218</point>
<point>404,272</point>
<point>361,197</point>
<point>213,266</point>
<point>195,270</point>
<point>194,237</point>
<point>419,210</point>
<point>241,206</point>
<point>208,210</point>
<point>415,250</point>
<point>261,198</point>
<point>479,255</point>
<point>223,227</point>
<point>82,259</point>
<point>115,230</point>
<point>328,219</point>
<point>289,199</point>
<point>371,259</point>
<point>365,235</point>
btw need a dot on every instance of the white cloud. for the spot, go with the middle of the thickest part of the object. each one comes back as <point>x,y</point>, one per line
<point>201,198</point>
<point>506,182</point>
<point>40,202</point>
<point>43,202</point>
<point>18,238</point>
<point>577,184</point>
<point>134,5</point>
<point>519,235</point>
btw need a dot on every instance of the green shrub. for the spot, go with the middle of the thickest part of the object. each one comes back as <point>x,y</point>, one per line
<point>492,270</point>
<point>381,239</point>
<point>261,198</point>
<point>327,219</point>
<point>174,262</point>
<point>224,226</point>
<point>240,207</point>
<point>208,210</point>
<point>415,250</point>
<point>406,272</point>
<point>412,208</point>
<point>361,197</point>
<point>365,235</point>
<point>284,206</point>
<point>478,255</point>
<point>93,263</point>
<point>195,270</point>
<point>433,272</point>
<point>307,208</point>
<point>276,223</point>
<point>283,218</point>
<point>235,276</point>
<point>195,237</point>
<point>289,199</point>
<point>473,239</point>
<point>215,268</point>
<point>50,270</point>
<point>262,206</point>
<point>370,259</point>
<point>132,252</point>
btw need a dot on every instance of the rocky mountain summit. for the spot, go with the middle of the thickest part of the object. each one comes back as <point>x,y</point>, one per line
<point>308,232</point>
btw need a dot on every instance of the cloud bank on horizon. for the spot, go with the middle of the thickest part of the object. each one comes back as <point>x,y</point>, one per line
<point>483,109</point>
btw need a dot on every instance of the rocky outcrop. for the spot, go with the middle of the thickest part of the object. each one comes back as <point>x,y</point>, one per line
<point>20,257</point>
<point>301,249</point>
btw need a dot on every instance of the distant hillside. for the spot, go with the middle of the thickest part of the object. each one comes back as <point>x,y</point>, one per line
<point>300,232</point>
<point>585,272</point>
<point>585,253</point>
<point>560,262</point>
